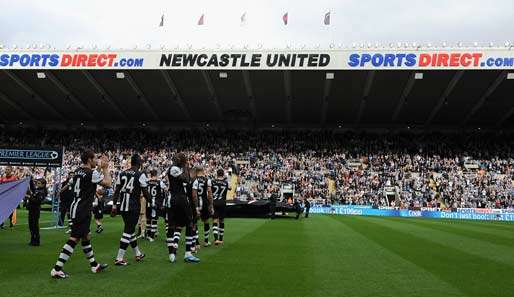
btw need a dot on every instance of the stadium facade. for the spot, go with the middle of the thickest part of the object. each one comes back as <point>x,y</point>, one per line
<point>434,88</point>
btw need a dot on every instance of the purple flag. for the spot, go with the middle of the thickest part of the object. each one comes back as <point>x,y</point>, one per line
<point>11,194</point>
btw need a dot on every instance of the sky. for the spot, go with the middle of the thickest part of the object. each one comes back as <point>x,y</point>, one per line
<point>126,24</point>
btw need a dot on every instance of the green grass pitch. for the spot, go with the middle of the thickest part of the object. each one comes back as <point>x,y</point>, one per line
<point>320,256</point>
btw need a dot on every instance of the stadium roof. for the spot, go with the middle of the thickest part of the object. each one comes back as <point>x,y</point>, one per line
<point>347,90</point>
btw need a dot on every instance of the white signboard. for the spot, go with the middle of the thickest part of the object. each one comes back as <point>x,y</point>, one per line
<point>415,59</point>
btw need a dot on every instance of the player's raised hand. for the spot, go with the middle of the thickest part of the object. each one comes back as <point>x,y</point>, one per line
<point>104,162</point>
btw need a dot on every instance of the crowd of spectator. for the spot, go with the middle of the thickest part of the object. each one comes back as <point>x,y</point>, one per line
<point>400,170</point>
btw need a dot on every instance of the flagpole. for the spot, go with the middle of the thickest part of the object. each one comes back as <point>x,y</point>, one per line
<point>203,32</point>
<point>327,21</point>
<point>161,29</point>
<point>197,32</point>
<point>242,24</point>
<point>285,23</point>
<point>330,28</point>
<point>200,22</point>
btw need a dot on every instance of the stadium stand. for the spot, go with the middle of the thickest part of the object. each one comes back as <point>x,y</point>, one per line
<point>388,169</point>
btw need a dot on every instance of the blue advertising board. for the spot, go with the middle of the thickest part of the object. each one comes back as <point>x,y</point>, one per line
<point>460,214</point>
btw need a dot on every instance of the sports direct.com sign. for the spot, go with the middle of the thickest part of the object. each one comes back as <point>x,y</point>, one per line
<point>428,60</point>
<point>35,60</point>
<point>473,59</point>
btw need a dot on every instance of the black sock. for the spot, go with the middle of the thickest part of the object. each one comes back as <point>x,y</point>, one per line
<point>153,228</point>
<point>215,231</point>
<point>189,238</point>
<point>88,251</point>
<point>125,240</point>
<point>133,242</point>
<point>172,248</point>
<point>222,230</point>
<point>176,237</point>
<point>65,254</point>
<point>197,241</point>
<point>148,229</point>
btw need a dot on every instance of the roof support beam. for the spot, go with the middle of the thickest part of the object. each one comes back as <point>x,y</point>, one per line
<point>324,103</point>
<point>35,95</point>
<point>404,95</point>
<point>505,117</point>
<point>365,94</point>
<point>249,93</point>
<point>173,88</point>
<point>212,91</point>
<point>141,96</point>
<point>451,85</point>
<point>5,99</point>
<point>70,95</point>
<point>289,96</point>
<point>501,77</point>
<point>104,94</point>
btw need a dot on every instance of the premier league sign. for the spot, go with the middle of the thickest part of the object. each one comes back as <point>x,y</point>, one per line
<point>41,157</point>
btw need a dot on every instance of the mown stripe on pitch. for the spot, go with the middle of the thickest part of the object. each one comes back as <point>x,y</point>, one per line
<point>458,229</point>
<point>182,279</point>
<point>472,274</point>
<point>369,269</point>
<point>264,262</point>
<point>488,250</point>
<point>486,227</point>
<point>500,225</point>
<point>31,272</point>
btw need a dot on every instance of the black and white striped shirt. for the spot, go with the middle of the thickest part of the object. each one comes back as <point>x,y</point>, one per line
<point>83,189</point>
<point>129,185</point>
